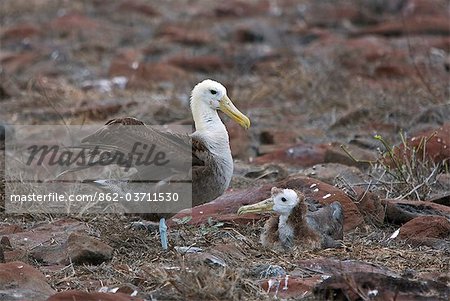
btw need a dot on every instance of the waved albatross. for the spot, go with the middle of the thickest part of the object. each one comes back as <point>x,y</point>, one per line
<point>295,225</point>
<point>212,163</point>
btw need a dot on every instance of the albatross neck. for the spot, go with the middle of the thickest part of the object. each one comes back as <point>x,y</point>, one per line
<point>206,119</point>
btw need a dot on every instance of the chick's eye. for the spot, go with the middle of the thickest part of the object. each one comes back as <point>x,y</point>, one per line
<point>213,92</point>
<point>283,199</point>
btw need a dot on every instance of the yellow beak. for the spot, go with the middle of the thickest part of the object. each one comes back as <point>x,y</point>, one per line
<point>263,206</point>
<point>226,106</point>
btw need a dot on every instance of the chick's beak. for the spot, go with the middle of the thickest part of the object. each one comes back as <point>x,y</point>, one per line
<point>263,206</point>
<point>227,106</point>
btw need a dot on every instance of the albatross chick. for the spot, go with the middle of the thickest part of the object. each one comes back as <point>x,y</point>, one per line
<point>295,225</point>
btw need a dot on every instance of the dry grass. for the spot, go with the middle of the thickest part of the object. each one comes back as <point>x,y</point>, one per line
<point>138,260</point>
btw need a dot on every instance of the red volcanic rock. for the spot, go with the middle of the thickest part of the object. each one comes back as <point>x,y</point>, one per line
<point>240,8</point>
<point>20,281</point>
<point>43,233</point>
<point>79,249</point>
<point>240,141</point>
<point>371,56</point>
<point>85,249</point>
<point>156,72</point>
<point>183,35</point>
<point>20,31</point>
<point>9,229</point>
<point>15,62</point>
<point>98,110</point>
<point>301,154</point>
<point>290,286</point>
<point>225,207</point>
<point>125,63</point>
<point>402,211</point>
<point>73,22</point>
<point>431,144</point>
<point>300,284</point>
<point>423,24</point>
<point>139,7</point>
<point>328,266</point>
<point>328,172</point>
<point>203,63</point>
<point>374,286</point>
<point>335,154</point>
<point>332,15</point>
<point>426,230</point>
<point>128,63</point>
<point>75,295</point>
<point>279,136</point>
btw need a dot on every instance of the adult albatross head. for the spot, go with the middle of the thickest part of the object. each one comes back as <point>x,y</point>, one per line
<point>207,98</point>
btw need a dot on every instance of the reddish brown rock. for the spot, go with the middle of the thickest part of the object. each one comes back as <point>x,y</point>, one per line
<point>290,286</point>
<point>6,229</point>
<point>332,15</point>
<point>239,8</point>
<point>75,295</point>
<point>183,35</point>
<point>368,285</point>
<point>156,72</point>
<point>140,75</point>
<point>20,281</point>
<point>335,154</point>
<point>430,144</point>
<point>370,57</point>
<point>139,7</point>
<point>225,207</point>
<point>299,283</point>
<point>301,154</point>
<point>422,24</point>
<point>44,232</point>
<point>125,63</point>
<point>20,31</point>
<point>16,62</point>
<point>240,142</point>
<point>278,136</point>
<point>203,63</point>
<point>73,22</point>
<point>97,110</point>
<point>330,172</point>
<point>78,249</point>
<point>402,211</point>
<point>329,266</point>
<point>85,249</point>
<point>426,230</point>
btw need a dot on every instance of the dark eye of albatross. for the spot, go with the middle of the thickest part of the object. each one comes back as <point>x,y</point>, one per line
<point>283,199</point>
<point>213,92</point>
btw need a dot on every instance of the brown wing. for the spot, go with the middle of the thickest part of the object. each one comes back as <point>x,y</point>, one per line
<point>120,135</point>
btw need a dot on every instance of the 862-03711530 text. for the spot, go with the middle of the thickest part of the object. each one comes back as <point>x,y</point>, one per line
<point>97,197</point>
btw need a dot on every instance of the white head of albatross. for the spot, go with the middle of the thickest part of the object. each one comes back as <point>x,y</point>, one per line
<point>207,98</point>
<point>295,226</point>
